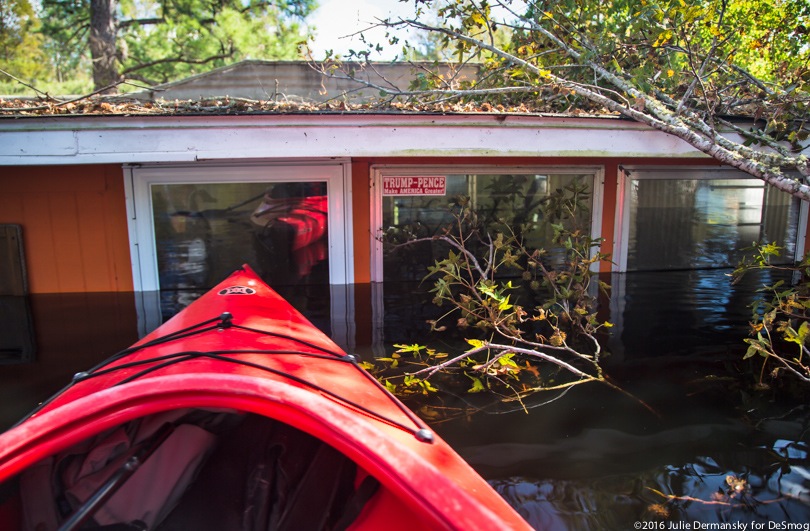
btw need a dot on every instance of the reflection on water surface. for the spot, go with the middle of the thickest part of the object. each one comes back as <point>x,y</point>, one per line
<point>594,459</point>
<point>715,452</point>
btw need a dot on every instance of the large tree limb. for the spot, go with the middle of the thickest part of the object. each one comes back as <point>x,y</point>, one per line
<point>646,109</point>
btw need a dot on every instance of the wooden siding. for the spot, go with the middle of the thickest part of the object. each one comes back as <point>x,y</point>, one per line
<point>361,221</point>
<point>74,226</point>
<point>609,209</point>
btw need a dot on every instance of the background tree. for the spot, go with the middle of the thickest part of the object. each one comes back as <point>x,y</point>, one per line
<point>155,41</point>
<point>21,52</point>
<point>730,77</point>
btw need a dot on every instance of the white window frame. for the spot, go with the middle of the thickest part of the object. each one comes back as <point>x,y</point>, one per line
<point>139,179</point>
<point>622,219</point>
<point>383,170</point>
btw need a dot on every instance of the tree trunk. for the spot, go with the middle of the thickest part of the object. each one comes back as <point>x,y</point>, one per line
<point>103,48</point>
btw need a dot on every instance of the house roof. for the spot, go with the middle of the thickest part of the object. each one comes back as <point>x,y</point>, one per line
<point>290,87</point>
<point>228,114</point>
<point>49,140</point>
<point>304,81</point>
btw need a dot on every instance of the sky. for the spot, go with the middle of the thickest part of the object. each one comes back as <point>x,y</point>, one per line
<point>336,20</point>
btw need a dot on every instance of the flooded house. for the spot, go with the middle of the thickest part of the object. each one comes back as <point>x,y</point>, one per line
<point>167,194</point>
<point>116,213</point>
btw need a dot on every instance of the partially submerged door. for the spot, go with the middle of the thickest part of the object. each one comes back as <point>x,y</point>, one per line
<point>16,326</point>
<point>192,226</point>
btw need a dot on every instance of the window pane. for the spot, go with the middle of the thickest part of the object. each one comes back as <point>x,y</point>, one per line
<point>204,231</point>
<point>703,223</point>
<point>514,199</point>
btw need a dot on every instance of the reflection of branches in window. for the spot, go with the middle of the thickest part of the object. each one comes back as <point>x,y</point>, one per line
<point>513,197</point>
<point>423,216</point>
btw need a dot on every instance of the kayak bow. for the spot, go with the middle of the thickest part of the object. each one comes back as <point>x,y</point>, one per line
<point>237,413</point>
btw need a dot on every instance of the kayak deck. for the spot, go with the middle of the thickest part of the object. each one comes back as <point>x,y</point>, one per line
<point>242,413</point>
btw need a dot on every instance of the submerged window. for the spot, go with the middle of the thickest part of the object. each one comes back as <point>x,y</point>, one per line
<point>191,226</point>
<point>695,219</point>
<point>204,231</point>
<point>514,199</point>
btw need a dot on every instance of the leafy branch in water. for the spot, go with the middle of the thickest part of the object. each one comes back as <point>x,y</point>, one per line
<point>528,311</point>
<point>780,325</point>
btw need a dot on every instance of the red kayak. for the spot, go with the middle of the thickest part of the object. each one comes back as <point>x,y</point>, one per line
<point>236,414</point>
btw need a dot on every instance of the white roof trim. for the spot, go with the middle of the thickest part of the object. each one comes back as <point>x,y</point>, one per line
<point>144,139</point>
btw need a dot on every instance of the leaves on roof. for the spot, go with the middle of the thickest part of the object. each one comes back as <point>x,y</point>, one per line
<point>121,106</point>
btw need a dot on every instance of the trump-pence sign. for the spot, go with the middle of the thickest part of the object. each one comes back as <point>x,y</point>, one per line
<point>415,185</point>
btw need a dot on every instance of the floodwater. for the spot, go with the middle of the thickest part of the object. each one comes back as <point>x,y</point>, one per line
<point>714,451</point>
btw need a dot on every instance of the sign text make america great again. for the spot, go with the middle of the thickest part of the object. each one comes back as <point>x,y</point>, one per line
<point>415,185</point>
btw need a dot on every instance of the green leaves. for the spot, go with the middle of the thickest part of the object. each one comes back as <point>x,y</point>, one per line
<point>496,293</point>
<point>799,337</point>
<point>418,385</point>
<point>21,46</point>
<point>525,310</point>
<point>475,343</point>
<point>163,40</point>
<point>780,318</point>
<point>411,349</point>
<point>478,385</point>
<point>680,66</point>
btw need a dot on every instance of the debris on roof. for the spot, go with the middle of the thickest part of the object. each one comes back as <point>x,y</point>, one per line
<point>262,87</point>
<point>119,106</point>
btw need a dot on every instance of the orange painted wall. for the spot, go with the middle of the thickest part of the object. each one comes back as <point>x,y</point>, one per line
<point>74,226</point>
<point>610,192</point>
<point>361,220</point>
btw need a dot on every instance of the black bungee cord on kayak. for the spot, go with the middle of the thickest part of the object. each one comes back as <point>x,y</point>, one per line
<point>225,321</point>
<point>79,376</point>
